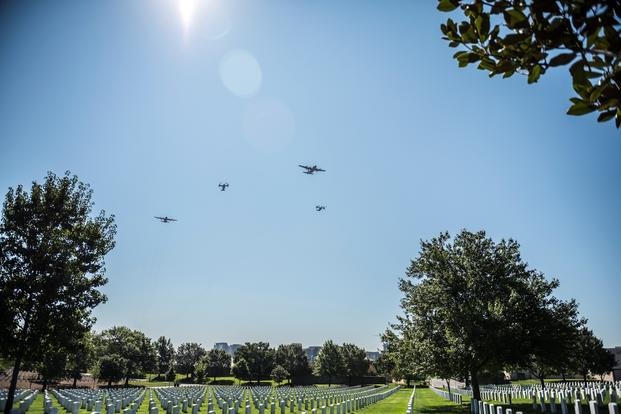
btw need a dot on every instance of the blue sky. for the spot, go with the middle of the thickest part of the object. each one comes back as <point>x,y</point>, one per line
<point>156,102</point>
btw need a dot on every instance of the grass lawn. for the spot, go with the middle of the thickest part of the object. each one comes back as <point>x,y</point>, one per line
<point>395,404</point>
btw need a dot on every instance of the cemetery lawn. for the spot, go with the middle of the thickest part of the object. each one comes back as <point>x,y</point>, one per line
<point>428,402</point>
<point>395,404</point>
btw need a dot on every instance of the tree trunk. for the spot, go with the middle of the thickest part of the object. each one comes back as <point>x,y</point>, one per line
<point>564,379</point>
<point>127,380</point>
<point>109,383</point>
<point>75,382</point>
<point>407,382</point>
<point>44,385</point>
<point>11,396</point>
<point>329,381</point>
<point>543,383</point>
<point>467,380</point>
<point>584,376</point>
<point>448,385</point>
<point>476,391</point>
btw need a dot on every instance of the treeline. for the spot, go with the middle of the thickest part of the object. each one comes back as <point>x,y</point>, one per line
<point>472,306</point>
<point>120,354</point>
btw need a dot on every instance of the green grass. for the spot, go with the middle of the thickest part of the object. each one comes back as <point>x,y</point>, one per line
<point>395,404</point>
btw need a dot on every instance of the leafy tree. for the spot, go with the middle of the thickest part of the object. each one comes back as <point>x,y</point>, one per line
<point>532,36</point>
<point>293,359</point>
<point>279,374</point>
<point>111,368</point>
<point>52,366</point>
<point>51,266</point>
<point>553,341</point>
<point>588,355</point>
<point>241,369</point>
<point>398,355</point>
<point>165,354</point>
<point>355,362</point>
<point>170,374</point>
<point>200,371</point>
<point>329,361</point>
<point>467,300</point>
<point>385,365</point>
<point>81,358</point>
<point>133,346</point>
<point>259,357</point>
<point>188,355</point>
<point>218,363</point>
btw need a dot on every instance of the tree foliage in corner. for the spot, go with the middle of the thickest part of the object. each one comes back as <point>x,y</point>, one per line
<point>531,36</point>
<point>51,268</point>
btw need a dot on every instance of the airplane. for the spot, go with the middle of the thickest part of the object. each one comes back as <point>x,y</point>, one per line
<point>310,169</point>
<point>319,208</point>
<point>223,186</point>
<point>165,219</point>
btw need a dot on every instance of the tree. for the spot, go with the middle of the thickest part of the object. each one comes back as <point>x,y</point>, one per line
<point>553,341</point>
<point>279,374</point>
<point>170,374</point>
<point>200,371</point>
<point>165,354</point>
<point>530,37</point>
<point>52,366</point>
<point>133,346</point>
<point>293,359</point>
<point>111,368</point>
<point>218,363</point>
<point>241,370</point>
<point>355,362</point>
<point>470,301</point>
<point>385,365</point>
<point>188,355</point>
<point>588,355</point>
<point>398,357</point>
<point>51,266</point>
<point>259,358</point>
<point>329,361</point>
<point>81,358</point>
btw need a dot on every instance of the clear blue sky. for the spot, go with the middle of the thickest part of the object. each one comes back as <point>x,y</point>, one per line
<point>155,102</point>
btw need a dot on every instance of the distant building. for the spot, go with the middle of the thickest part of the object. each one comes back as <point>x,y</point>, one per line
<point>233,348</point>
<point>372,355</point>
<point>312,352</point>
<point>224,346</point>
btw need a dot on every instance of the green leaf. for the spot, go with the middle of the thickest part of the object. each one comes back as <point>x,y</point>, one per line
<point>562,59</point>
<point>606,116</point>
<point>447,5</point>
<point>581,109</point>
<point>534,74</point>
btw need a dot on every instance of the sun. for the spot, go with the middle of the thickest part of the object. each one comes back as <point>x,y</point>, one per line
<point>187,9</point>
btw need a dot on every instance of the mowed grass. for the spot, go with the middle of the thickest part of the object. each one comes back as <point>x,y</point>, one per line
<point>395,404</point>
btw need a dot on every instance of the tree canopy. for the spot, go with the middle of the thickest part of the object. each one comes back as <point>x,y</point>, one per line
<point>355,362</point>
<point>472,304</point>
<point>134,348</point>
<point>51,266</point>
<point>293,359</point>
<point>188,355</point>
<point>329,361</point>
<point>531,37</point>
<point>217,362</point>
<point>259,358</point>
<point>165,354</point>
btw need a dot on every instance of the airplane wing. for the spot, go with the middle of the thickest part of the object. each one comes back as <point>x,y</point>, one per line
<point>171,219</point>
<point>319,169</point>
<point>159,218</point>
<point>304,166</point>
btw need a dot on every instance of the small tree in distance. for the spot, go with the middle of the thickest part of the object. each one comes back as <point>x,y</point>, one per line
<point>279,374</point>
<point>329,362</point>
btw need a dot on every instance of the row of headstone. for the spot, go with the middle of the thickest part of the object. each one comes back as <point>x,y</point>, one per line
<point>451,396</point>
<point>410,406</point>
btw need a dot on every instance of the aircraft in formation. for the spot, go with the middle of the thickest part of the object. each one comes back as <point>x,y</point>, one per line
<point>165,219</point>
<point>310,169</point>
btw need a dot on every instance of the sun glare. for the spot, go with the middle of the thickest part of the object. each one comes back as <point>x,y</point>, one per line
<point>187,9</point>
